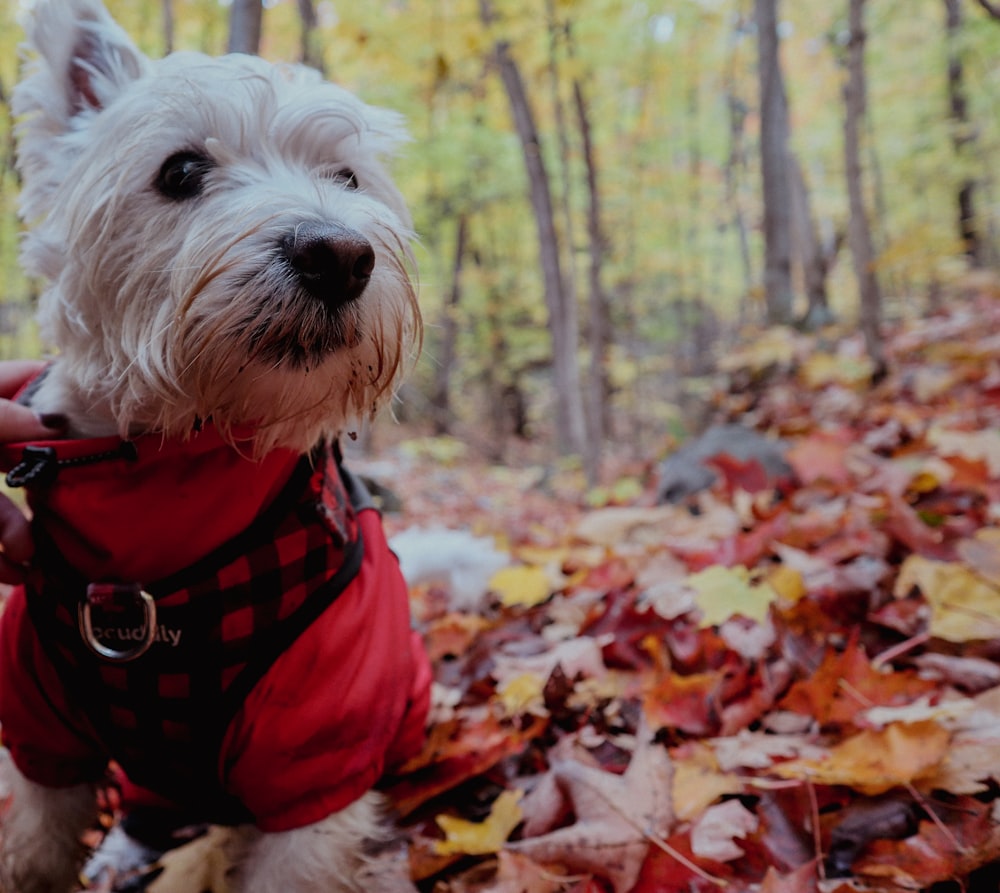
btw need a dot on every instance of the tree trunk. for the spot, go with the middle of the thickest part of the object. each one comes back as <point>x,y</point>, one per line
<point>962,134</point>
<point>564,190</point>
<point>810,251</point>
<point>734,161</point>
<point>563,325</point>
<point>167,17</point>
<point>311,52</point>
<point>774,167</point>
<point>441,397</point>
<point>859,233</point>
<point>598,313</point>
<point>245,22</point>
<point>993,9</point>
<point>595,388</point>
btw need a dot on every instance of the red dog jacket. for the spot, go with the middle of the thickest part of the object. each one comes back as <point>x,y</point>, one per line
<point>281,677</point>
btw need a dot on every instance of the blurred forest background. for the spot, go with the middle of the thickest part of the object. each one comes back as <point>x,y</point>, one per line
<point>612,195</point>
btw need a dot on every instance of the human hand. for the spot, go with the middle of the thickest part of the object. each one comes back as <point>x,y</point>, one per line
<point>19,423</point>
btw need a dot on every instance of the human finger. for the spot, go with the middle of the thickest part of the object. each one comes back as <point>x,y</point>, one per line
<point>21,423</point>
<point>15,536</point>
<point>14,373</point>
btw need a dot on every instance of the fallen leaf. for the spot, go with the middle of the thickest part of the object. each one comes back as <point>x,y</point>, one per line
<point>982,554</point>
<point>612,526</point>
<point>683,702</point>
<point>698,782</point>
<point>874,762</point>
<point>847,682</point>
<point>722,592</point>
<point>519,874</point>
<point>713,835</point>
<point>522,694</point>
<point>787,583</point>
<point>759,750</point>
<point>973,445</point>
<point>801,880</point>
<point>616,815</point>
<point>964,607</point>
<point>481,838</point>
<point>200,865</point>
<point>456,751</point>
<point>524,585</point>
<point>821,457</point>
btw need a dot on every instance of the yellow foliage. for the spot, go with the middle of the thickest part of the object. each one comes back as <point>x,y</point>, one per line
<point>873,762</point>
<point>964,607</point>
<point>722,592</point>
<point>698,783</point>
<point>522,694</point>
<point>787,583</point>
<point>525,585</point>
<point>481,838</point>
<point>823,368</point>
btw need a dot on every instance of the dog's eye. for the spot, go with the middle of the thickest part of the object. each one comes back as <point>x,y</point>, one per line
<point>183,175</point>
<point>344,176</point>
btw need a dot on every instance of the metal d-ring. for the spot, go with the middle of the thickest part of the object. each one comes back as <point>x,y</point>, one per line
<point>102,594</point>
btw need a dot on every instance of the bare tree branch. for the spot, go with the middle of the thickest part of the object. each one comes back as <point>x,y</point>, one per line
<point>992,8</point>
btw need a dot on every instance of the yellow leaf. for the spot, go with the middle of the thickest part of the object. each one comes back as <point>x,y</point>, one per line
<point>698,783</point>
<point>874,762</point>
<point>776,346</point>
<point>964,607</point>
<point>822,369</point>
<point>722,592</point>
<point>481,838</point>
<point>932,474</point>
<point>543,556</point>
<point>202,864</point>
<point>522,694</point>
<point>787,583</point>
<point>525,585</point>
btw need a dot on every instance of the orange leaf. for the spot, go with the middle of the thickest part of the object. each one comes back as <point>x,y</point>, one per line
<point>875,762</point>
<point>455,752</point>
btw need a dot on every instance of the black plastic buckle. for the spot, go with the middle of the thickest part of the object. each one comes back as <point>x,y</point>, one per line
<point>39,466</point>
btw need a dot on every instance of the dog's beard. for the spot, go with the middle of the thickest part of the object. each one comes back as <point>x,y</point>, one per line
<point>291,328</point>
<point>271,319</point>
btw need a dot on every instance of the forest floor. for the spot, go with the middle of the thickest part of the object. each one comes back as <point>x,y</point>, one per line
<point>789,683</point>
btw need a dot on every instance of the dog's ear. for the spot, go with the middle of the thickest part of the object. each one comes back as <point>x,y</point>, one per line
<point>81,61</point>
<point>84,52</point>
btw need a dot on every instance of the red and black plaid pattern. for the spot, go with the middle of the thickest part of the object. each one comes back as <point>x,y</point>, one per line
<point>221,624</point>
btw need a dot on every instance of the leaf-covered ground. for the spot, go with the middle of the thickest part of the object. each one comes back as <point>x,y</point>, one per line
<point>788,683</point>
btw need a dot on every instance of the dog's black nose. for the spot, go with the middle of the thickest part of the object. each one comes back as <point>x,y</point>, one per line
<point>333,263</point>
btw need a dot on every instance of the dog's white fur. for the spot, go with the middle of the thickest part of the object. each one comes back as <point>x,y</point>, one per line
<point>156,306</point>
<point>165,313</point>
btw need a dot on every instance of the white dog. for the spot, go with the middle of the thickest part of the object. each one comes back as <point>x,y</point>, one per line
<point>212,604</point>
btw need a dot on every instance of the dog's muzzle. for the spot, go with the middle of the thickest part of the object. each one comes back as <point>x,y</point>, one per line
<point>333,263</point>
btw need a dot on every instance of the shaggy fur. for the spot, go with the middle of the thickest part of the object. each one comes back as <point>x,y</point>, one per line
<point>166,311</point>
<point>170,311</point>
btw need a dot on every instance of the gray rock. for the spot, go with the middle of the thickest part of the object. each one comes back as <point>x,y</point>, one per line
<point>685,472</point>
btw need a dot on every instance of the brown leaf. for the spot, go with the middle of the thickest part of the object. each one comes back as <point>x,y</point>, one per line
<point>616,815</point>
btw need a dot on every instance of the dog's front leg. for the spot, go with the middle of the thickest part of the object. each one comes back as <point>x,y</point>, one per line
<point>346,852</point>
<point>40,831</point>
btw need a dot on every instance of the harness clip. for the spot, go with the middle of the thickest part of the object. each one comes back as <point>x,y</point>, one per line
<point>39,465</point>
<point>127,621</point>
